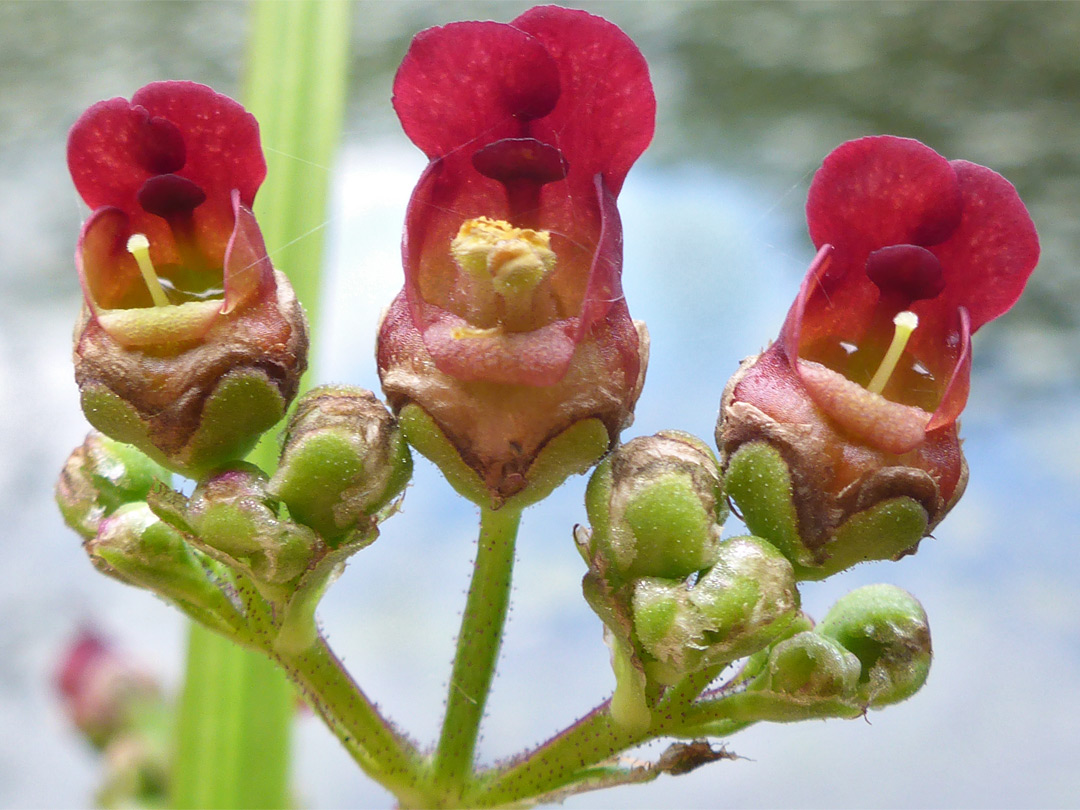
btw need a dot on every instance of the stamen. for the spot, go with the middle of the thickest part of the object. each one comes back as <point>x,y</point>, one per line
<point>506,265</point>
<point>905,324</point>
<point>139,247</point>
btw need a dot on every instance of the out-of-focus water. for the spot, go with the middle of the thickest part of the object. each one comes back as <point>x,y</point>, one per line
<point>751,98</point>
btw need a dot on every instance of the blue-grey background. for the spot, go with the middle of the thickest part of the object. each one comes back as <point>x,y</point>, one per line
<point>751,98</point>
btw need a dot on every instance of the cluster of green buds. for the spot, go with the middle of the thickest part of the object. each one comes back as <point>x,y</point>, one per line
<point>676,600</point>
<point>870,651</point>
<point>674,597</point>
<point>244,547</point>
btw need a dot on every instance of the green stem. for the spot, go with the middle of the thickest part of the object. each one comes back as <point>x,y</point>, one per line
<point>477,650</point>
<point>593,739</point>
<point>381,751</point>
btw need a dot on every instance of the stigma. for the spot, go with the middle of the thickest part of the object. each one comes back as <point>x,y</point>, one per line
<point>905,323</point>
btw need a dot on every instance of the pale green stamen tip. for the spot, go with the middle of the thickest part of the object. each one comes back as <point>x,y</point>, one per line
<point>905,325</point>
<point>139,247</point>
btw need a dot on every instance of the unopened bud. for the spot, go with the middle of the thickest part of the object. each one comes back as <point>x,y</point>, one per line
<point>886,628</point>
<point>133,545</point>
<point>656,506</point>
<point>744,602</point>
<point>344,459</point>
<point>811,665</point>
<point>99,477</point>
<point>101,689</point>
<point>236,521</point>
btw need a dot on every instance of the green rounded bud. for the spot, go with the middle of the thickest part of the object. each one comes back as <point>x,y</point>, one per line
<point>886,628</point>
<point>744,602</point>
<point>236,521</point>
<point>136,547</point>
<point>657,506</point>
<point>99,477</point>
<point>343,460</point>
<point>811,665</point>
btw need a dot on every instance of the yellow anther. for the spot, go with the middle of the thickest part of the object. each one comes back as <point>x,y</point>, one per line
<point>496,248</point>
<point>139,247</point>
<point>505,261</point>
<point>905,325</point>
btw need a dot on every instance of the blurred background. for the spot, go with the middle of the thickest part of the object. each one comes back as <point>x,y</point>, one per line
<point>751,98</point>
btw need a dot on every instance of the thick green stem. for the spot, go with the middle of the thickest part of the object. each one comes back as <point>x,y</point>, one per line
<point>381,751</point>
<point>477,650</point>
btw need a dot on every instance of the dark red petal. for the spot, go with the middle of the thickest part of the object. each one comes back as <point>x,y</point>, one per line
<point>606,111</point>
<point>993,251</point>
<point>604,286</point>
<point>106,155</point>
<point>116,145</point>
<point>162,149</point>
<point>879,191</point>
<point>951,359</point>
<point>538,358</point>
<point>108,274</point>
<point>812,314</point>
<point>448,193</point>
<point>472,81</point>
<point>520,159</point>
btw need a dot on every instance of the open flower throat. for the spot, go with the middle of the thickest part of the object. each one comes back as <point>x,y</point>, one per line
<point>900,229</point>
<point>171,244</point>
<point>508,273</point>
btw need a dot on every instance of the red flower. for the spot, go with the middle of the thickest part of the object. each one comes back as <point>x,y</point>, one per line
<point>513,245</point>
<point>179,164</point>
<point>900,230</point>
<point>181,298</point>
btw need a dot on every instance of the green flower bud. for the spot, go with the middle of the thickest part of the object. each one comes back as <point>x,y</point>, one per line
<point>744,602</point>
<point>886,629</point>
<point>99,477</point>
<point>810,665</point>
<point>344,459</point>
<point>875,520</point>
<point>236,521</point>
<point>136,547</point>
<point>656,506</point>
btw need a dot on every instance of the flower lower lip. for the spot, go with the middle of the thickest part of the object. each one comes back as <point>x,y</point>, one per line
<point>889,426</point>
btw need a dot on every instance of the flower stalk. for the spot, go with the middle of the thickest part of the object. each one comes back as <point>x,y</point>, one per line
<point>478,645</point>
